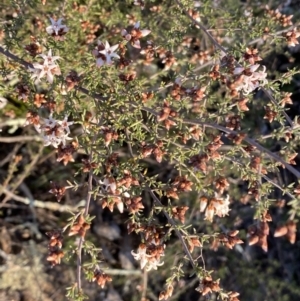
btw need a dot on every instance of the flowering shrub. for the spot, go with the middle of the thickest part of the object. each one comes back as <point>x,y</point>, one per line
<point>185,126</point>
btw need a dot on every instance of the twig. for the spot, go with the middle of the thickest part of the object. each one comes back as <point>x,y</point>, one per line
<point>41,204</point>
<point>15,58</point>
<point>20,139</point>
<point>263,176</point>
<point>86,211</point>
<point>158,202</point>
<point>25,173</point>
<point>119,272</point>
<point>145,284</point>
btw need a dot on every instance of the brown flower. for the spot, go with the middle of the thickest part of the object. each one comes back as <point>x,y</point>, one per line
<point>79,227</point>
<point>58,191</point>
<point>207,286</point>
<point>101,278</point>
<point>72,80</point>
<point>193,242</point>
<point>134,204</point>
<point>251,55</point>
<point>55,256</point>
<point>289,230</point>
<point>179,212</point>
<point>164,295</point>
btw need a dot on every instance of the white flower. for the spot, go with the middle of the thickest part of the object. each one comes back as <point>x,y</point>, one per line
<point>147,261</point>
<point>153,263</point>
<point>48,68</point>
<point>120,206</point>
<point>49,58</point>
<point>54,132</point>
<point>209,212</point>
<point>251,79</point>
<point>51,122</point>
<point>56,28</point>
<point>39,71</point>
<point>139,3</point>
<point>110,184</point>
<point>105,53</point>
<point>221,206</point>
<point>64,124</point>
<point>141,255</point>
<point>51,140</point>
<point>203,204</point>
<point>217,206</point>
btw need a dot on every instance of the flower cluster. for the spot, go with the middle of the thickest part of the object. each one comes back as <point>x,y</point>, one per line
<point>79,227</point>
<point>149,256</point>
<point>180,184</point>
<point>258,234</point>
<point>228,240</point>
<point>118,193</point>
<point>55,244</point>
<point>54,132</point>
<point>207,286</point>
<point>49,68</point>
<point>155,149</point>
<point>150,252</point>
<point>101,278</point>
<point>58,191</point>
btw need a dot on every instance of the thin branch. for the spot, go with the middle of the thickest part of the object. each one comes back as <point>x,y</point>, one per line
<point>42,204</point>
<point>119,272</point>
<point>20,139</point>
<point>15,58</point>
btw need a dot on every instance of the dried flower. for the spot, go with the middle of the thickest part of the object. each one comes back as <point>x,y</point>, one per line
<point>207,286</point>
<point>79,227</point>
<point>101,278</point>
<point>58,191</point>
<point>164,295</point>
<point>292,37</point>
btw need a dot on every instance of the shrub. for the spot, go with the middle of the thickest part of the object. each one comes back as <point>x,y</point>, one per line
<point>176,119</point>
